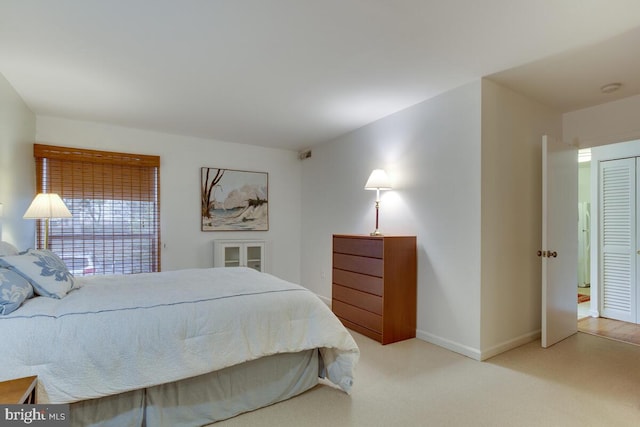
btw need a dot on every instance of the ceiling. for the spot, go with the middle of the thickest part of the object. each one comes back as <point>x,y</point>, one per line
<point>294,73</point>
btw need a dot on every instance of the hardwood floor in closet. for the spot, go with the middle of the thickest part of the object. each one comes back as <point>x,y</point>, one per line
<point>612,329</point>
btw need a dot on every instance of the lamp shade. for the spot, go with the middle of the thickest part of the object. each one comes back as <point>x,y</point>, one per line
<point>47,205</point>
<point>378,180</point>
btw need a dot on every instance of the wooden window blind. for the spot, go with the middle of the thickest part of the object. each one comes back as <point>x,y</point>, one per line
<point>115,202</point>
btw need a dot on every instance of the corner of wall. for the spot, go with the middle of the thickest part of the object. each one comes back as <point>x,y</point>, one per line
<point>433,142</point>
<point>17,168</point>
<point>512,127</point>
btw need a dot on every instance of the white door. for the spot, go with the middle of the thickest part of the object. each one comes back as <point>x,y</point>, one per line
<point>635,289</point>
<point>559,241</point>
<point>617,195</point>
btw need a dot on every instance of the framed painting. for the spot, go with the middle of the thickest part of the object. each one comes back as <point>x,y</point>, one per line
<point>234,200</point>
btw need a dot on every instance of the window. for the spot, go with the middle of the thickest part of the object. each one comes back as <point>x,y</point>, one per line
<point>114,200</point>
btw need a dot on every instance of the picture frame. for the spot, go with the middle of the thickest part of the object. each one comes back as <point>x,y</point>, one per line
<point>234,200</point>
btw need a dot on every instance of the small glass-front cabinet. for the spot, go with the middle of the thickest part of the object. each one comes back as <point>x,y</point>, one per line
<point>239,253</point>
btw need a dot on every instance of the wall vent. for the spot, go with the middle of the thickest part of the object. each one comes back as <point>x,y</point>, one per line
<point>304,154</point>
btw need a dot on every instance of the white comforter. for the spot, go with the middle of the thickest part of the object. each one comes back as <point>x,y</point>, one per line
<point>120,333</point>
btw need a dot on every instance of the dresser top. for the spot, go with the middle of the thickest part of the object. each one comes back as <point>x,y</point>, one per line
<point>367,236</point>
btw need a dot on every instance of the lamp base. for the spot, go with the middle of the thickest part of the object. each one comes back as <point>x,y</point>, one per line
<point>377,232</point>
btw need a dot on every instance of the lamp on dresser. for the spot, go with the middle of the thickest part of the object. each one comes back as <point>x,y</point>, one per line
<point>46,206</point>
<point>378,180</point>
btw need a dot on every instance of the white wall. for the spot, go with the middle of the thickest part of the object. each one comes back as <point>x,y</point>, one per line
<point>180,161</point>
<point>17,168</point>
<point>466,167</point>
<point>613,122</point>
<point>432,154</point>
<point>512,129</point>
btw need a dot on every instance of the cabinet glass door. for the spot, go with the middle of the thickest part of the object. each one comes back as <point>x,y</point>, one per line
<point>254,257</point>
<point>232,256</point>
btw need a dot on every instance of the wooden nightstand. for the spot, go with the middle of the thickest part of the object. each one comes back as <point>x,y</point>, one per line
<point>18,391</point>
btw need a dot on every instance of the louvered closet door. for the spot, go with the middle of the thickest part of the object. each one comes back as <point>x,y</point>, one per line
<point>618,239</point>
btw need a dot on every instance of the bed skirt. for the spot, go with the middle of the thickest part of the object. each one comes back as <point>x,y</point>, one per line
<point>206,398</point>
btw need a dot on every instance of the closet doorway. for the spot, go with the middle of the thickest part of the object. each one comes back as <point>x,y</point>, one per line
<point>615,240</point>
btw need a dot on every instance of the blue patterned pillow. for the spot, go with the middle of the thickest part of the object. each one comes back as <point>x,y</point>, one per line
<point>14,290</point>
<point>46,272</point>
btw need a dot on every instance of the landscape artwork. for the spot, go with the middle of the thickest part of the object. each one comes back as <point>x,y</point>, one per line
<point>234,200</point>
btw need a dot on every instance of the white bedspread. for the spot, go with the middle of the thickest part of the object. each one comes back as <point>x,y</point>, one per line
<point>120,333</point>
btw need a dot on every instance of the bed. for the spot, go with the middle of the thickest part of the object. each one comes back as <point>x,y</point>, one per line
<point>187,347</point>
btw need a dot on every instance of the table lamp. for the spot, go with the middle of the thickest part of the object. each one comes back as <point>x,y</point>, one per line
<point>46,206</point>
<point>378,180</point>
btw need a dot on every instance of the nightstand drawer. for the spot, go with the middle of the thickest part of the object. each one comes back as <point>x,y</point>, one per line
<point>358,264</point>
<point>358,316</point>
<point>361,282</point>
<point>364,247</point>
<point>372,303</point>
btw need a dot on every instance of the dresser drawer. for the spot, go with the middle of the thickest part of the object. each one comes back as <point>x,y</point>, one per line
<point>372,303</point>
<point>359,264</point>
<point>361,282</point>
<point>372,248</point>
<point>361,330</point>
<point>358,316</point>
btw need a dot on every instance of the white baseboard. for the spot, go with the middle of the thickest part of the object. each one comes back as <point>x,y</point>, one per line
<point>471,352</point>
<point>475,353</point>
<point>511,344</point>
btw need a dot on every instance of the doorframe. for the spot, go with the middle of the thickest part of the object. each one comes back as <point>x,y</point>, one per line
<point>618,150</point>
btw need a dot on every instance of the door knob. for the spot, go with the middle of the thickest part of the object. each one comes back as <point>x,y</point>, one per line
<point>553,254</point>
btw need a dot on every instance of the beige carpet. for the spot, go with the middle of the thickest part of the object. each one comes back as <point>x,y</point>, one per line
<point>582,381</point>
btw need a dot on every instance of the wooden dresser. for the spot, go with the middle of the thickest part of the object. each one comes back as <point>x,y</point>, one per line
<point>374,285</point>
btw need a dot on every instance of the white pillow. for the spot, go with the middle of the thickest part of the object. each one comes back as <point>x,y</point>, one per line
<point>46,272</point>
<point>7,248</point>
